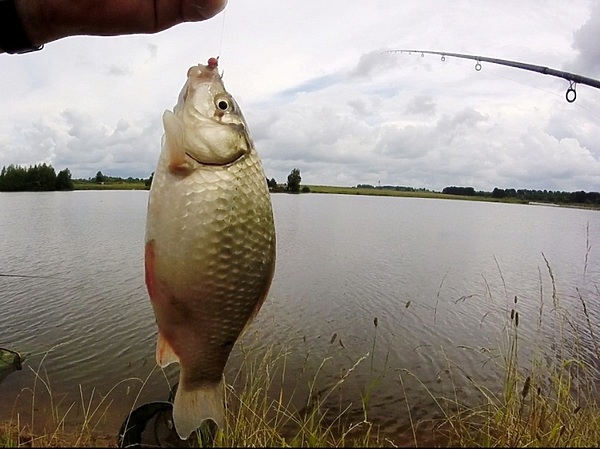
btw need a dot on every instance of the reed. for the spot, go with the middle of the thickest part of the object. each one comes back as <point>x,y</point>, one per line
<point>548,400</point>
<point>257,417</point>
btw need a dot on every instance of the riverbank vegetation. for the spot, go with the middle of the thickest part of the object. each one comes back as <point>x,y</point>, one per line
<point>104,182</point>
<point>112,183</point>
<point>43,178</point>
<point>37,178</point>
<point>522,196</point>
<point>292,186</point>
<point>548,397</point>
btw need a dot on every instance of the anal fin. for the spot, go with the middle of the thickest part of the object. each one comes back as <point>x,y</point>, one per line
<point>164,352</point>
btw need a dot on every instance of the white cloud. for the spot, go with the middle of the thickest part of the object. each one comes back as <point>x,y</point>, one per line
<point>586,43</point>
<point>421,104</point>
<point>319,94</point>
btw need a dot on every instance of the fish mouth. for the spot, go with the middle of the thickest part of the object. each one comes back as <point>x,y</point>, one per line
<point>215,164</point>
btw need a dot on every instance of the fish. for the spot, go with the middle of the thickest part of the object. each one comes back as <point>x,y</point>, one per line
<point>209,242</point>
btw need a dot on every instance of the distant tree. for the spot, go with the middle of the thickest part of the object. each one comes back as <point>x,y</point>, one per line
<point>293,181</point>
<point>498,193</point>
<point>305,189</point>
<point>148,182</point>
<point>41,177</point>
<point>453,190</point>
<point>64,181</point>
<point>100,178</point>
<point>15,178</point>
<point>578,197</point>
<point>272,183</point>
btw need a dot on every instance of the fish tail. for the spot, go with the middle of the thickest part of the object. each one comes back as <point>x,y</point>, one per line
<point>192,406</point>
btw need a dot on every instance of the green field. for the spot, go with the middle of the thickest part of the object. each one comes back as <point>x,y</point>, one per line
<point>415,194</point>
<point>118,185</point>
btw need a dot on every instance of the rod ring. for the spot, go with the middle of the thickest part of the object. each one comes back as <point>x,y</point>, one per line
<point>478,66</point>
<point>571,95</point>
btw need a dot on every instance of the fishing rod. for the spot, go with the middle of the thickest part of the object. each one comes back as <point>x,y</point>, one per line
<point>572,78</point>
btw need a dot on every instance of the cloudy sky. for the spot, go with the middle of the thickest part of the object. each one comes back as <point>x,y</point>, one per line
<point>319,94</point>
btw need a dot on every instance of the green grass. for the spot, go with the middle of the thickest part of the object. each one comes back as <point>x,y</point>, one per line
<point>548,400</point>
<point>407,194</point>
<point>58,423</point>
<point>125,185</point>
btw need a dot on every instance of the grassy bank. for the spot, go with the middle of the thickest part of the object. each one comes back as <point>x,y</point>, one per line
<point>409,194</point>
<point>548,399</point>
<point>436,195</point>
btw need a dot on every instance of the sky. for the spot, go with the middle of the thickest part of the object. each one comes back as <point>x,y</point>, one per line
<point>319,93</point>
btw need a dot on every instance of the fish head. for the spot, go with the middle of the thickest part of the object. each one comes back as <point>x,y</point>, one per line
<point>213,129</point>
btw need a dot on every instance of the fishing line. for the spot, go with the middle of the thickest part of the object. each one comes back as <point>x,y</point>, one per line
<point>222,33</point>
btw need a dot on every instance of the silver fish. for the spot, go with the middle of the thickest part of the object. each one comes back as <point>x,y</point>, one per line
<point>210,242</point>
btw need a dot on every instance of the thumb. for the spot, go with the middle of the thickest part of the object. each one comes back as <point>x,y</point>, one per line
<point>196,10</point>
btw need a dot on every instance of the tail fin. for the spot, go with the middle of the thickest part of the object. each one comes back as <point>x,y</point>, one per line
<point>191,407</point>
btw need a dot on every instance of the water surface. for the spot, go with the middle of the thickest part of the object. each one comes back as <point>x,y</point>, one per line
<point>439,277</point>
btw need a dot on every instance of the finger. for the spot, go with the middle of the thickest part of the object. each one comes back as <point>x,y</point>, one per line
<point>172,12</point>
<point>45,21</point>
<point>194,10</point>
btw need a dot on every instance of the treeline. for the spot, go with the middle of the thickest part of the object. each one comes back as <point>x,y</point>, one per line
<point>545,196</point>
<point>35,178</point>
<point>453,190</point>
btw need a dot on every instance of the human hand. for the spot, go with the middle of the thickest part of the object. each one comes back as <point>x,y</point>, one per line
<point>48,20</point>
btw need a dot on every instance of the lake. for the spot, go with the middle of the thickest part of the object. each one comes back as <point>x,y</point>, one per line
<point>423,286</point>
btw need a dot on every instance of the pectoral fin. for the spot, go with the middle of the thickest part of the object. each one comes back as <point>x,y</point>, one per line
<point>173,143</point>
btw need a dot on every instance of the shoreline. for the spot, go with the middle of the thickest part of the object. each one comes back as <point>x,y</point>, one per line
<point>437,195</point>
<point>365,192</point>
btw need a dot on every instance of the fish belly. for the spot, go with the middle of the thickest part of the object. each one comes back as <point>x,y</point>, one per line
<point>210,255</point>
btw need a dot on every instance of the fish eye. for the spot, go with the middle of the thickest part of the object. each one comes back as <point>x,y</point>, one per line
<point>223,105</point>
